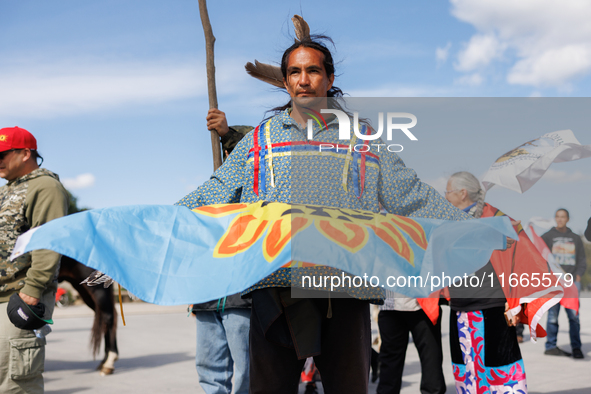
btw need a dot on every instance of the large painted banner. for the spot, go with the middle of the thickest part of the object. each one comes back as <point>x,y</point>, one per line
<point>171,255</point>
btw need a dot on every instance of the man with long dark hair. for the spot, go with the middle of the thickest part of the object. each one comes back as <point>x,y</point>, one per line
<point>279,162</point>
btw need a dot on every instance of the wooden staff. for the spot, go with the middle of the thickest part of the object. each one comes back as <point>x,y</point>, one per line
<point>213,98</point>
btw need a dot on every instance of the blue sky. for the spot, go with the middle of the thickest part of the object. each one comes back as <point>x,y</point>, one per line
<point>115,91</point>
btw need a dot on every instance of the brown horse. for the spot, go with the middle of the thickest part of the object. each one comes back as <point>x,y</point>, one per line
<point>102,302</point>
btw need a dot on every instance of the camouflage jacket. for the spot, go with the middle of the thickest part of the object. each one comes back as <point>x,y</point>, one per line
<point>26,202</point>
<point>233,137</point>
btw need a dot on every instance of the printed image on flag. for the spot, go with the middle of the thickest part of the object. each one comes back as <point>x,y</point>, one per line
<point>520,168</point>
<point>170,255</point>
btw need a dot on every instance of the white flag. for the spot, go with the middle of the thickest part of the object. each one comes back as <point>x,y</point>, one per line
<point>520,168</point>
<point>543,223</point>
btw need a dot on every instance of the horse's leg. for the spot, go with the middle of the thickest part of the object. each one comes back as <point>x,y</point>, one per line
<point>105,324</point>
<point>106,304</point>
<point>87,295</point>
<point>100,300</point>
<point>75,272</point>
<point>111,333</point>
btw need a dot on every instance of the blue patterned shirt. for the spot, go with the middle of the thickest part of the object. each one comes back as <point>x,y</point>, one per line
<point>276,162</point>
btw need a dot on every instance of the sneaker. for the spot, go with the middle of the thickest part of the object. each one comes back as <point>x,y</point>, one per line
<point>555,351</point>
<point>311,389</point>
<point>577,353</point>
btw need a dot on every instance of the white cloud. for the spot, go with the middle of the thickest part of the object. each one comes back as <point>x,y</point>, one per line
<point>552,67</point>
<point>557,176</point>
<point>45,88</point>
<point>72,87</point>
<point>82,181</point>
<point>470,80</point>
<point>479,52</point>
<point>549,40</point>
<point>441,54</point>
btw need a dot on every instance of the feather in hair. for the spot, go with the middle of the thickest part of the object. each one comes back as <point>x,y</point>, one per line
<point>265,73</point>
<point>272,74</point>
<point>302,30</point>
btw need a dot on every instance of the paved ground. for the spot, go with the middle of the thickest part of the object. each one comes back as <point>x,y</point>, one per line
<point>157,349</point>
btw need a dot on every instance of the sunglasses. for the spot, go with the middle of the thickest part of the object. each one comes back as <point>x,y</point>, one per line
<point>6,152</point>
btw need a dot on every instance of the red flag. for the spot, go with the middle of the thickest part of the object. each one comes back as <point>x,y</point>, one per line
<point>525,278</point>
<point>430,306</point>
<point>517,268</point>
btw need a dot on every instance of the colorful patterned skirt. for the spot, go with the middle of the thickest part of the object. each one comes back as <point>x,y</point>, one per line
<point>485,353</point>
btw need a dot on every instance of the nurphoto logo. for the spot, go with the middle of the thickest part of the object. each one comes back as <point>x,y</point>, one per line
<point>345,129</point>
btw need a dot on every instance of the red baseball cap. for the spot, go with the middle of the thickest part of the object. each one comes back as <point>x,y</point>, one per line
<point>16,138</point>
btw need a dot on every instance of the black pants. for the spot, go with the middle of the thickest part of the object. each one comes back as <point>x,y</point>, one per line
<point>500,341</point>
<point>394,329</point>
<point>519,329</point>
<point>345,352</point>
